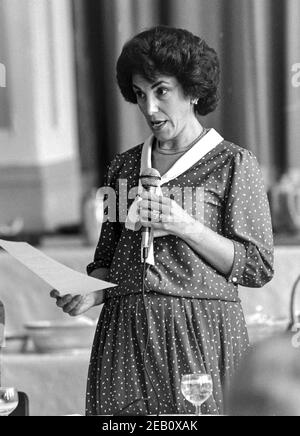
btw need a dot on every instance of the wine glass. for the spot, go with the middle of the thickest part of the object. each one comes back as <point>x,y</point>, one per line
<point>9,400</point>
<point>196,388</point>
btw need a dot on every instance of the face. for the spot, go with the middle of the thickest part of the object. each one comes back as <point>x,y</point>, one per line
<point>168,111</point>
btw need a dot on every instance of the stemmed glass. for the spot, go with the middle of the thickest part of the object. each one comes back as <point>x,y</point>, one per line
<point>197,388</point>
<point>9,400</point>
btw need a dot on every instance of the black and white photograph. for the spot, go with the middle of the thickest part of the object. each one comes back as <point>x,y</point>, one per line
<point>149,210</point>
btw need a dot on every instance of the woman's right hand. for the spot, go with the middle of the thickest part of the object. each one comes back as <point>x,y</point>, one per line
<point>74,305</point>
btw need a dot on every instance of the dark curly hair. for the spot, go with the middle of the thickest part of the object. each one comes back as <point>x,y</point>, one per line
<point>175,52</point>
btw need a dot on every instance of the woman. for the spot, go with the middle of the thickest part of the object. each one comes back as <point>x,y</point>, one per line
<point>196,323</point>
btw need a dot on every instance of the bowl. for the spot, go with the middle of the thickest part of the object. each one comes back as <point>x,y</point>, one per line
<point>58,336</point>
<point>15,344</point>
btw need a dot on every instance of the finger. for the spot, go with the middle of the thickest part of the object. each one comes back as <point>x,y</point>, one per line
<point>162,205</point>
<point>150,217</point>
<point>79,309</point>
<point>150,196</point>
<point>146,215</point>
<point>155,205</point>
<point>144,222</point>
<point>54,293</point>
<point>148,205</point>
<point>75,312</point>
<point>163,210</point>
<point>76,301</point>
<point>62,301</point>
<point>166,209</point>
<point>156,198</point>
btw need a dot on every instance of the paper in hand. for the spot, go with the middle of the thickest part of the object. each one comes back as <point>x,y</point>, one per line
<point>62,278</point>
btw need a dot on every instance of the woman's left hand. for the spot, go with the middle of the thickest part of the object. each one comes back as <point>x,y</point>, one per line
<point>163,213</point>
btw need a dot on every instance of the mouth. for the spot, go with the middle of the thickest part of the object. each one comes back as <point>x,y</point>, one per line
<point>158,125</point>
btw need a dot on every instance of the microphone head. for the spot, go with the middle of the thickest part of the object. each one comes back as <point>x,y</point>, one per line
<point>150,178</point>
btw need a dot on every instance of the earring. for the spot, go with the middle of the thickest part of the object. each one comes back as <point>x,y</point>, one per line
<point>195,101</point>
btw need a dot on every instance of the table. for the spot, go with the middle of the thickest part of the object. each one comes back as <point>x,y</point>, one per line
<point>55,384</point>
<point>46,378</point>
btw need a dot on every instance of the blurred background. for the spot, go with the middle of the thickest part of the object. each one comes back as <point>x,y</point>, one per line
<point>61,112</point>
<point>62,119</point>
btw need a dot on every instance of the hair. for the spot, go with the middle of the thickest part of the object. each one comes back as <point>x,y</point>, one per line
<point>173,52</point>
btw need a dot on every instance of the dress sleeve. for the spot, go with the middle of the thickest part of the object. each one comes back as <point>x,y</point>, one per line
<point>111,229</point>
<point>248,224</point>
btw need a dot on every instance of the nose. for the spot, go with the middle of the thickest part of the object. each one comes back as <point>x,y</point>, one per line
<point>151,105</point>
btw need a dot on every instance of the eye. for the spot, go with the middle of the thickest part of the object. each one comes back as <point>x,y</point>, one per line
<point>162,92</point>
<point>140,95</point>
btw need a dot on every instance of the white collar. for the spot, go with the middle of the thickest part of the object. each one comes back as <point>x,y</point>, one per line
<point>189,159</point>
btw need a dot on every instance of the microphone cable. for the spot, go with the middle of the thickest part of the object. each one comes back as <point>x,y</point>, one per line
<point>144,354</point>
<point>148,340</point>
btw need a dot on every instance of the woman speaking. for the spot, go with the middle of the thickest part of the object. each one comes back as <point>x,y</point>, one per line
<point>179,313</point>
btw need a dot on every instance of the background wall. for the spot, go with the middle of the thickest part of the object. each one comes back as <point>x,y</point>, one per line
<point>38,125</point>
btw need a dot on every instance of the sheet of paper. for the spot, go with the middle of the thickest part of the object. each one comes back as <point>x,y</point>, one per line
<point>57,275</point>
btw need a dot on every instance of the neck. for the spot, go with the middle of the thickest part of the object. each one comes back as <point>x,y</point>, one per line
<point>184,138</point>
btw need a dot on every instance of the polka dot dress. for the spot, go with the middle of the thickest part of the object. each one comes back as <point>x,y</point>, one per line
<point>195,319</point>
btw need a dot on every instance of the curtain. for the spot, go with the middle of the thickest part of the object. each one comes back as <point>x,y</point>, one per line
<point>258,41</point>
<point>5,110</point>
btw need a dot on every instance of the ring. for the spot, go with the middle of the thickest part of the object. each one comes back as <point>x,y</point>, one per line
<point>156,215</point>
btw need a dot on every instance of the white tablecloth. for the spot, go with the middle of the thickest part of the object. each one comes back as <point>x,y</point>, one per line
<point>55,384</point>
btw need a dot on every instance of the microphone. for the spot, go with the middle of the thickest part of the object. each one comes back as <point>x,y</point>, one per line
<point>150,180</point>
